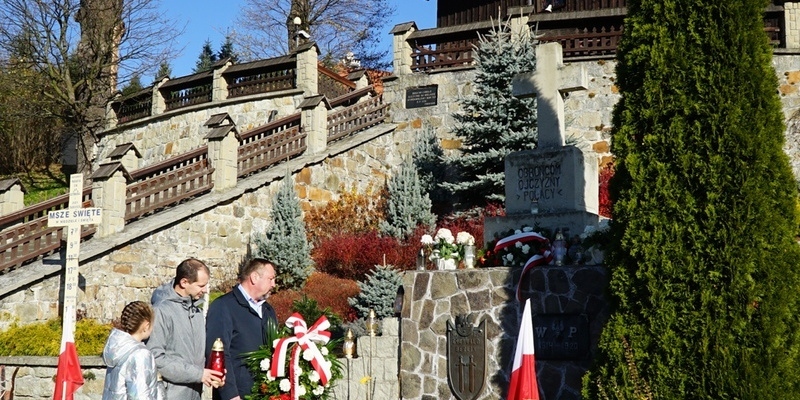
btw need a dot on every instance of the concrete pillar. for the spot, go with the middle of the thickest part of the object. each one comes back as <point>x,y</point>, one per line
<point>109,183</point>
<point>223,155</point>
<point>314,122</point>
<point>791,15</point>
<point>158,103</point>
<point>519,27</point>
<point>307,73</point>
<point>401,55</point>
<point>128,155</point>
<point>220,84</point>
<point>12,194</point>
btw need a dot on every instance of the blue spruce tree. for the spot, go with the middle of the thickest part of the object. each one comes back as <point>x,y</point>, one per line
<point>493,123</point>
<point>408,205</point>
<point>378,292</point>
<point>285,241</point>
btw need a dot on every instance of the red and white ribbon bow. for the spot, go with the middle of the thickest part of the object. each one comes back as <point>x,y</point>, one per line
<point>306,339</point>
<point>544,257</point>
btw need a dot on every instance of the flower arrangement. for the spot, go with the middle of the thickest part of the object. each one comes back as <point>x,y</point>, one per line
<point>517,247</point>
<point>446,246</point>
<point>297,364</point>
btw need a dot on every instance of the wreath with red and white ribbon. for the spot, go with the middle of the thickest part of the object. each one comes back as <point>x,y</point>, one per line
<point>543,257</point>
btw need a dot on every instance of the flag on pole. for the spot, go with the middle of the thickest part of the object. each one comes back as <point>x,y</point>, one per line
<point>69,377</point>
<point>523,384</point>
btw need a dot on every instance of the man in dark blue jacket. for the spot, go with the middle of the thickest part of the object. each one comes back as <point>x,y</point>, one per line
<point>239,318</point>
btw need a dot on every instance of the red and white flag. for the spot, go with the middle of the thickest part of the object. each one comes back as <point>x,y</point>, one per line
<point>69,377</point>
<point>523,384</point>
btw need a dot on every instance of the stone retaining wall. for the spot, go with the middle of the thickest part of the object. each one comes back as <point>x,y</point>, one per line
<point>433,298</point>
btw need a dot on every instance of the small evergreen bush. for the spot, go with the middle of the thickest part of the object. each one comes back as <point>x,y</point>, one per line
<point>285,241</point>
<point>378,292</point>
<point>44,338</point>
<point>407,206</point>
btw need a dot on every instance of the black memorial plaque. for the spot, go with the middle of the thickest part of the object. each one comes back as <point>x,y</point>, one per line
<point>561,336</point>
<point>422,96</point>
<point>466,357</point>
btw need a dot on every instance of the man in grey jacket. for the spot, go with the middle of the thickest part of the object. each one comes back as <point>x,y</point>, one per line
<point>179,334</point>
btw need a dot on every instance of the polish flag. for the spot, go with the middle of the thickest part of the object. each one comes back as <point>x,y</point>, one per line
<point>523,384</point>
<point>69,377</point>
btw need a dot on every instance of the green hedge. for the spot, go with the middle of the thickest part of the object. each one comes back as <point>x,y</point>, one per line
<point>44,339</point>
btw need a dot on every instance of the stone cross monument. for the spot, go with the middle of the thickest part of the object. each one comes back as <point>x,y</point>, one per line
<point>72,218</point>
<point>554,186</point>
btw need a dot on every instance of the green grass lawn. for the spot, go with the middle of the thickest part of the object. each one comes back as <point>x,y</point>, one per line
<point>42,185</point>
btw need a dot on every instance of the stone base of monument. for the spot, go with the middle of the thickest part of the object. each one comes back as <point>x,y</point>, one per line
<point>574,221</point>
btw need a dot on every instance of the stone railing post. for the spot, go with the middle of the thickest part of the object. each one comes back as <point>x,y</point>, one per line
<point>109,183</point>
<point>401,55</point>
<point>12,194</point>
<point>314,122</point>
<point>359,78</point>
<point>791,14</point>
<point>223,146</point>
<point>307,73</point>
<point>128,155</point>
<point>219,90</point>
<point>111,114</point>
<point>158,104</point>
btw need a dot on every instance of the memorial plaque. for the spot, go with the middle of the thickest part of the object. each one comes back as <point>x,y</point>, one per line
<point>422,96</point>
<point>466,357</point>
<point>561,336</point>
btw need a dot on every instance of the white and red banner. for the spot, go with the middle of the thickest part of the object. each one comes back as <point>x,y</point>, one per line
<point>523,385</point>
<point>69,377</point>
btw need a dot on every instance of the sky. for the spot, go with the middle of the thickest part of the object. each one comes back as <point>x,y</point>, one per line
<point>210,20</point>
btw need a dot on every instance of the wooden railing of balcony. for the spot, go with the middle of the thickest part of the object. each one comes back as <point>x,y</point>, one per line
<point>135,107</point>
<point>188,90</point>
<point>356,118</point>
<point>270,144</point>
<point>25,236</point>
<point>262,76</point>
<point>168,183</point>
<point>331,85</point>
<point>588,42</point>
<point>443,55</point>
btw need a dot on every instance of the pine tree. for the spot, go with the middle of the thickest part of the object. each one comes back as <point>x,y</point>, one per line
<point>164,69</point>
<point>378,292</point>
<point>429,160</point>
<point>704,274</point>
<point>226,50</point>
<point>134,85</point>
<point>493,123</point>
<point>285,241</point>
<point>206,59</point>
<point>407,205</point>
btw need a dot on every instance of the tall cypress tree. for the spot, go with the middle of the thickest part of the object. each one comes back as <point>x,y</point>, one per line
<point>285,241</point>
<point>493,123</point>
<point>703,264</point>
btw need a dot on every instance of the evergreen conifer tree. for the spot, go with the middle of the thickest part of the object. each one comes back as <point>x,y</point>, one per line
<point>704,274</point>
<point>134,85</point>
<point>429,160</point>
<point>285,242</point>
<point>163,70</point>
<point>407,205</point>
<point>493,123</point>
<point>227,51</point>
<point>378,292</point>
<point>206,59</point>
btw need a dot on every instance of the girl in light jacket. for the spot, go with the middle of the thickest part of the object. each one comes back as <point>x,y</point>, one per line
<point>131,372</point>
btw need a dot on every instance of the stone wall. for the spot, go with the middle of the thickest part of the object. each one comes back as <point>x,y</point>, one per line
<point>175,132</point>
<point>433,298</point>
<point>220,235</point>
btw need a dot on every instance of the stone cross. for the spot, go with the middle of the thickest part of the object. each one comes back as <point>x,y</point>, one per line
<point>550,83</point>
<point>72,218</point>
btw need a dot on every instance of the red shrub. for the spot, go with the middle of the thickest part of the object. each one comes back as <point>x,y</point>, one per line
<point>605,200</point>
<point>282,303</point>
<point>352,256</point>
<point>333,292</point>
